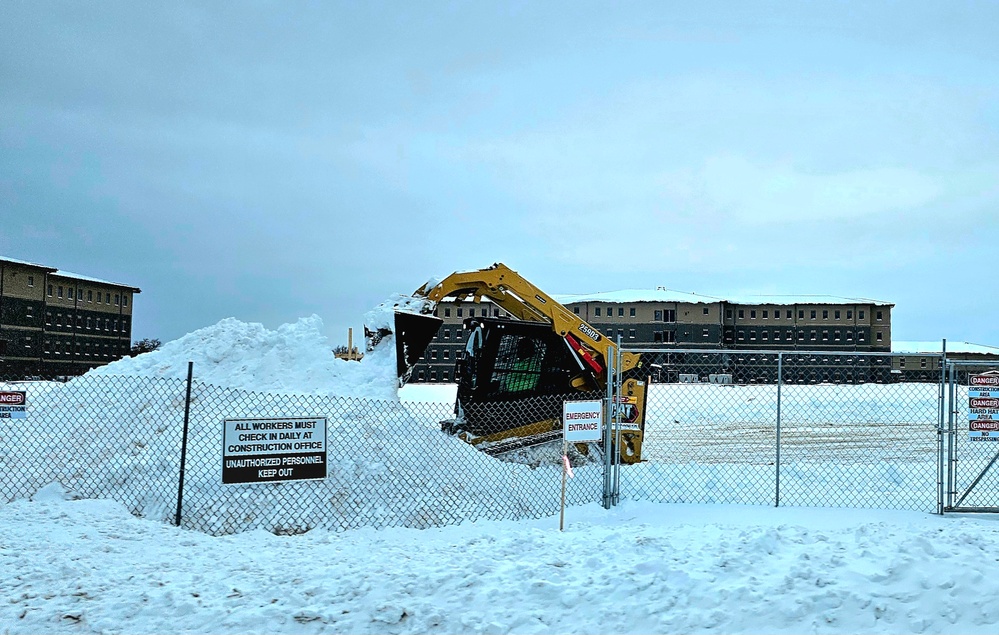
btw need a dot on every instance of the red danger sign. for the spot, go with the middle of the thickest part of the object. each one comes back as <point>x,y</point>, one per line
<point>985,380</point>
<point>983,402</point>
<point>12,398</point>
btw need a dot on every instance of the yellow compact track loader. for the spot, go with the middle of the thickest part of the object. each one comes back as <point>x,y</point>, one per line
<point>514,374</point>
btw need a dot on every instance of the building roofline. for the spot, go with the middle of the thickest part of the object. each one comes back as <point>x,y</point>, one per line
<point>76,276</point>
<point>15,261</point>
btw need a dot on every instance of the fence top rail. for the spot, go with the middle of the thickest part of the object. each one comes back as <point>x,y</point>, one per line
<point>789,353</point>
<point>973,362</point>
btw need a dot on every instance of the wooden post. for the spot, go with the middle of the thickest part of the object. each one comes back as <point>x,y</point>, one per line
<point>561,515</point>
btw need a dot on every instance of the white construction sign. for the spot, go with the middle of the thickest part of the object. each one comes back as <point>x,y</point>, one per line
<point>983,407</point>
<point>583,421</point>
<point>13,405</point>
<point>277,449</point>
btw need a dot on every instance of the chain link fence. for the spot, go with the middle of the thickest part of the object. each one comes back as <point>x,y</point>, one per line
<point>802,429</point>
<point>773,428</point>
<point>973,465</point>
<point>388,463</point>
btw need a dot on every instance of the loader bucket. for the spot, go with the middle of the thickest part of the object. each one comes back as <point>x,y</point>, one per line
<point>413,332</point>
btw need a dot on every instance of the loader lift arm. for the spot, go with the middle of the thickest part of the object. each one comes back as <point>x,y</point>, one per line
<point>508,289</point>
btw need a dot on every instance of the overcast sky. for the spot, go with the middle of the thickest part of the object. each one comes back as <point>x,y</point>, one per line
<point>269,161</point>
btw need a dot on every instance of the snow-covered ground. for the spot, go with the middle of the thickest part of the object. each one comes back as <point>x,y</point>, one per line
<point>90,566</point>
<point>369,553</point>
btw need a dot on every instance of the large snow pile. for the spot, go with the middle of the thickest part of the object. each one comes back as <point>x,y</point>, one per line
<point>116,431</point>
<point>295,358</point>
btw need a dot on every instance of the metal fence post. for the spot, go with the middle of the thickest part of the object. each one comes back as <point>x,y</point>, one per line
<point>617,424</point>
<point>780,383</point>
<point>183,444</point>
<point>951,449</point>
<point>608,435</point>
<point>940,431</point>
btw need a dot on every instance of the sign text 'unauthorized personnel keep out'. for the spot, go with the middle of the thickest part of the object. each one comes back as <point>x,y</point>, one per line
<point>280,449</point>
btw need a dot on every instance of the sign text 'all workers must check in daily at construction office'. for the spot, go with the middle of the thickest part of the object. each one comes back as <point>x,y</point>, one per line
<point>273,449</point>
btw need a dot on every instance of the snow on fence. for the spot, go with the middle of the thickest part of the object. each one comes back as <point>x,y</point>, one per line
<point>389,464</point>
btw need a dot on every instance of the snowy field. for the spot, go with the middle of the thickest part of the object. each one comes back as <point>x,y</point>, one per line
<point>91,567</point>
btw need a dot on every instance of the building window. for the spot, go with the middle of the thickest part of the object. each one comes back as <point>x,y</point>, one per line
<point>657,315</point>
<point>575,310</point>
<point>631,311</point>
<point>59,288</point>
<point>860,336</point>
<point>752,314</point>
<point>788,316</point>
<point>29,312</point>
<point>728,313</point>
<point>849,336</point>
<point>69,293</point>
<point>801,336</point>
<point>704,333</point>
<point>620,311</point>
<point>445,376</point>
<point>801,314</point>
<point>705,311</point>
<point>836,315</point>
<point>596,311</point>
<point>90,295</point>
<point>860,315</point>
<point>461,312</point>
<point>433,375</point>
<point>836,335</point>
<point>631,334</point>
<point>610,332</point>
<point>765,336</point>
<point>825,314</point>
<point>879,336</point>
<point>50,293</point>
<point>742,314</point>
<point>124,300</point>
<point>766,314</point>
<point>813,335</point>
<point>31,281</point>
<point>812,314</point>
<point>878,316</point>
<point>495,312</point>
<point>922,362</point>
<point>447,312</point>
<point>789,337</point>
<point>825,336</point>
<point>107,298</point>
<point>752,336</point>
<point>446,354</point>
<point>849,314</point>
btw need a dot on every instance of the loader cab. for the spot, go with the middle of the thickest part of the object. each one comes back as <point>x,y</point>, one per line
<point>509,359</point>
<point>510,369</point>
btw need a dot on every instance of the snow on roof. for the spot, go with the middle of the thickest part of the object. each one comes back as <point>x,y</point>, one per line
<point>637,295</point>
<point>25,262</point>
<point>68,274</point>
<point>668,295</point>
<point>936,347</point>
<point>76,276</point>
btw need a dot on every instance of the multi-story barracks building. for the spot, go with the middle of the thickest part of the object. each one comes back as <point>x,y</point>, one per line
<point>57,323</point>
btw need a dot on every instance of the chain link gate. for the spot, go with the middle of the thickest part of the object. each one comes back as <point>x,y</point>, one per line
<point>972,455</point>
<point>800,428</point>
